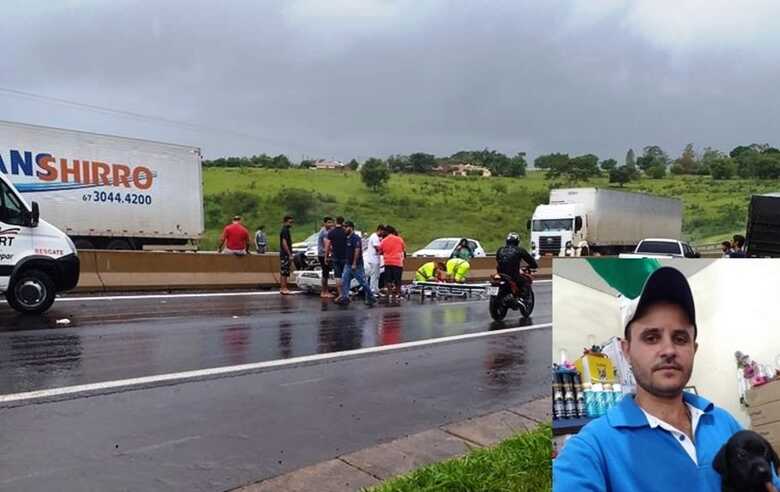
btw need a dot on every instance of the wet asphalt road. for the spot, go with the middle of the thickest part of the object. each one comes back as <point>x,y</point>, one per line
<point>222,433</point>
<point>108,340</point>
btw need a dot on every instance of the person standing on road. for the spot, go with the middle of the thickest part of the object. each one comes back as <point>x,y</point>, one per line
<point>373,259</point>
<point>393,252</point>
<point>354,266</point>
<point>739,247</point>
<point>234,239</point>
<point>285,253</point>
<point>322,238</point>
<point>463,250</point>
<point>261,240</point>
<point>336,253</point>
<point>726,249</point>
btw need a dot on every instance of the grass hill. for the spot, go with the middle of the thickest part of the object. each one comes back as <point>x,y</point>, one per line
<point>425,207</point>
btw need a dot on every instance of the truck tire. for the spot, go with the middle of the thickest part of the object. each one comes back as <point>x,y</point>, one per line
<point>31,292</point>
<point>119,244</point>
<point>83,244</point>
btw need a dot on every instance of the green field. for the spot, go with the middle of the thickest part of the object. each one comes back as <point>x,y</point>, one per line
<point>426,207</point>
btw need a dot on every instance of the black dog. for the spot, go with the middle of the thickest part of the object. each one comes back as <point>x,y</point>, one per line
<point>745,463</point>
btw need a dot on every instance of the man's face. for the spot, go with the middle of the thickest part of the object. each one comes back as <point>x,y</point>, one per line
<point>348,229</point>
<point>290,222</point>
<point>328,224</point>
<point>661,350</point>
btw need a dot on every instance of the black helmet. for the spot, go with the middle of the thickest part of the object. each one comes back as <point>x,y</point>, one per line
<point>513,239</point>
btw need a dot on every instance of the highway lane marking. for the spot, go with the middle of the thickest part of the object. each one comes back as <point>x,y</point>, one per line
<point>152,447</point>
<point>181,377</point>
<point>305,381</point>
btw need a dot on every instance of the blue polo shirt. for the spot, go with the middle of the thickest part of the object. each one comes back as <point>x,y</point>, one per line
<point>620,452</point>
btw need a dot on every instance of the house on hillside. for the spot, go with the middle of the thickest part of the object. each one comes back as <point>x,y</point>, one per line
<point>466,170</point>
<point>328,164</point>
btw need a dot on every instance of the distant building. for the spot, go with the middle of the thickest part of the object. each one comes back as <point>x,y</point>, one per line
<point>328,164</point>
<point>465,170</point>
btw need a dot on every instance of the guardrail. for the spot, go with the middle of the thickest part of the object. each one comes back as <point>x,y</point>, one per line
<point>110,271</point>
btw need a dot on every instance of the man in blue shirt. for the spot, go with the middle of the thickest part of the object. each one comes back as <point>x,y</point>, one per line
<point>662,439</point>
<point>353,267</point>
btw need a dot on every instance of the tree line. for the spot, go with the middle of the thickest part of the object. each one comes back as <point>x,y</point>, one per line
<point>756,161</point>
<point>419,162</point>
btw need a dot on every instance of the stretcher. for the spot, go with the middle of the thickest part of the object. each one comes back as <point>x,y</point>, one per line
<point>445,290</point>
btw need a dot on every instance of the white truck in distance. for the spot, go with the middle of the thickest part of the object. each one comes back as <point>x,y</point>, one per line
<point>599,221</point>
<point>37,260</point>
<point>107,192</point>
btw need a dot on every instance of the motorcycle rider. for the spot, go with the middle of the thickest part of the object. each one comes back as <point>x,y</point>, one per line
<point>510,256</point>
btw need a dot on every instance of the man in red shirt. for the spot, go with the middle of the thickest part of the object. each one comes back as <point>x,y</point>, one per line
<point>393,251</point>
<point>234,239</point>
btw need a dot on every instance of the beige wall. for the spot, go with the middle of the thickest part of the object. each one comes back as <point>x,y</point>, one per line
<point>737,305</point>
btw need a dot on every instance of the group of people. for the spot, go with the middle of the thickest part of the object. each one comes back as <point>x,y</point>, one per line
<point>341,249</point>
<point>734,248</point>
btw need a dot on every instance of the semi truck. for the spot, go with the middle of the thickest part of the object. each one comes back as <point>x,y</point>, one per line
<point>107,192</point>
<point>763,226</point>
<point>587,221</point>
<point>37,260</point>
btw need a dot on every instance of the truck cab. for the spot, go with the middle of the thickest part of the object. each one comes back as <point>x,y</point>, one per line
<point>37,260</point>
<point>552,227</point>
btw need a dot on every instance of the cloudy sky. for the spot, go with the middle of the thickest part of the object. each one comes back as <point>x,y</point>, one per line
<point>361,78</point>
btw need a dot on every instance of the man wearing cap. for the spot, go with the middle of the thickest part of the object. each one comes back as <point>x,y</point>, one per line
<point>234,239</point>
<point>661,439</point>
<point>353,268</point>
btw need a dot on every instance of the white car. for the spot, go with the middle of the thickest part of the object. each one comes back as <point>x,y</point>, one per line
<point>309,281</point>
<point>662,248</point>
<point>306,244</point>
<point>445,246</point>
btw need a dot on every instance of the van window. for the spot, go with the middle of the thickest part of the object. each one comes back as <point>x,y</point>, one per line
<point>11,209</point>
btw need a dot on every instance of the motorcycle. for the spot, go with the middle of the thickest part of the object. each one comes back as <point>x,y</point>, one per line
<point>505,294</point>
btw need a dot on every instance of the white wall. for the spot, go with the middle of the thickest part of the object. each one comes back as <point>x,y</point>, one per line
<point>737,306</point>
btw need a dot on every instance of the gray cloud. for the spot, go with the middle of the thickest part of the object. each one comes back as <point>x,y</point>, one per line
<point>361,77</point>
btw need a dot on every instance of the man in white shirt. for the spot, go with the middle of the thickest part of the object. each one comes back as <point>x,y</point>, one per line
<point>372,260</point>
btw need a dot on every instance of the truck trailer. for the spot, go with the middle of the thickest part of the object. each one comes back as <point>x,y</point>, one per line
<point>107,192</point>
<point>600,221</point>
<point>763,226</point>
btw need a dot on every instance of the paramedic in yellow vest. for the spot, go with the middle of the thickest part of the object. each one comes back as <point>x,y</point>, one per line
<point>430,272</point>
<point>458,270</point>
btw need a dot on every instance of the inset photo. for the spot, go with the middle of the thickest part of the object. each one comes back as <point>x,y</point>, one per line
<point>666,374</point>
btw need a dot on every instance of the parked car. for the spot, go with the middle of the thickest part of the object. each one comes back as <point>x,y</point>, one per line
<point>445,246</point>
<point>306,244</point>
<point>662,248</point>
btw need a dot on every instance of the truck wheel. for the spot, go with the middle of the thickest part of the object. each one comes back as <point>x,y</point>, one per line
<point>119,244</point>
<point>31,292</point>
<point>497,308</point>
<point>83,244</point>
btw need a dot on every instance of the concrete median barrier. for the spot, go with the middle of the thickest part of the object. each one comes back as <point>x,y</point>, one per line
<point>113,271</point>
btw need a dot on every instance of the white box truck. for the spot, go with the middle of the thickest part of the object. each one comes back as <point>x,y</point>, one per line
<point>37,260</point>
<point>600,221</point>
<point>107,192</point>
